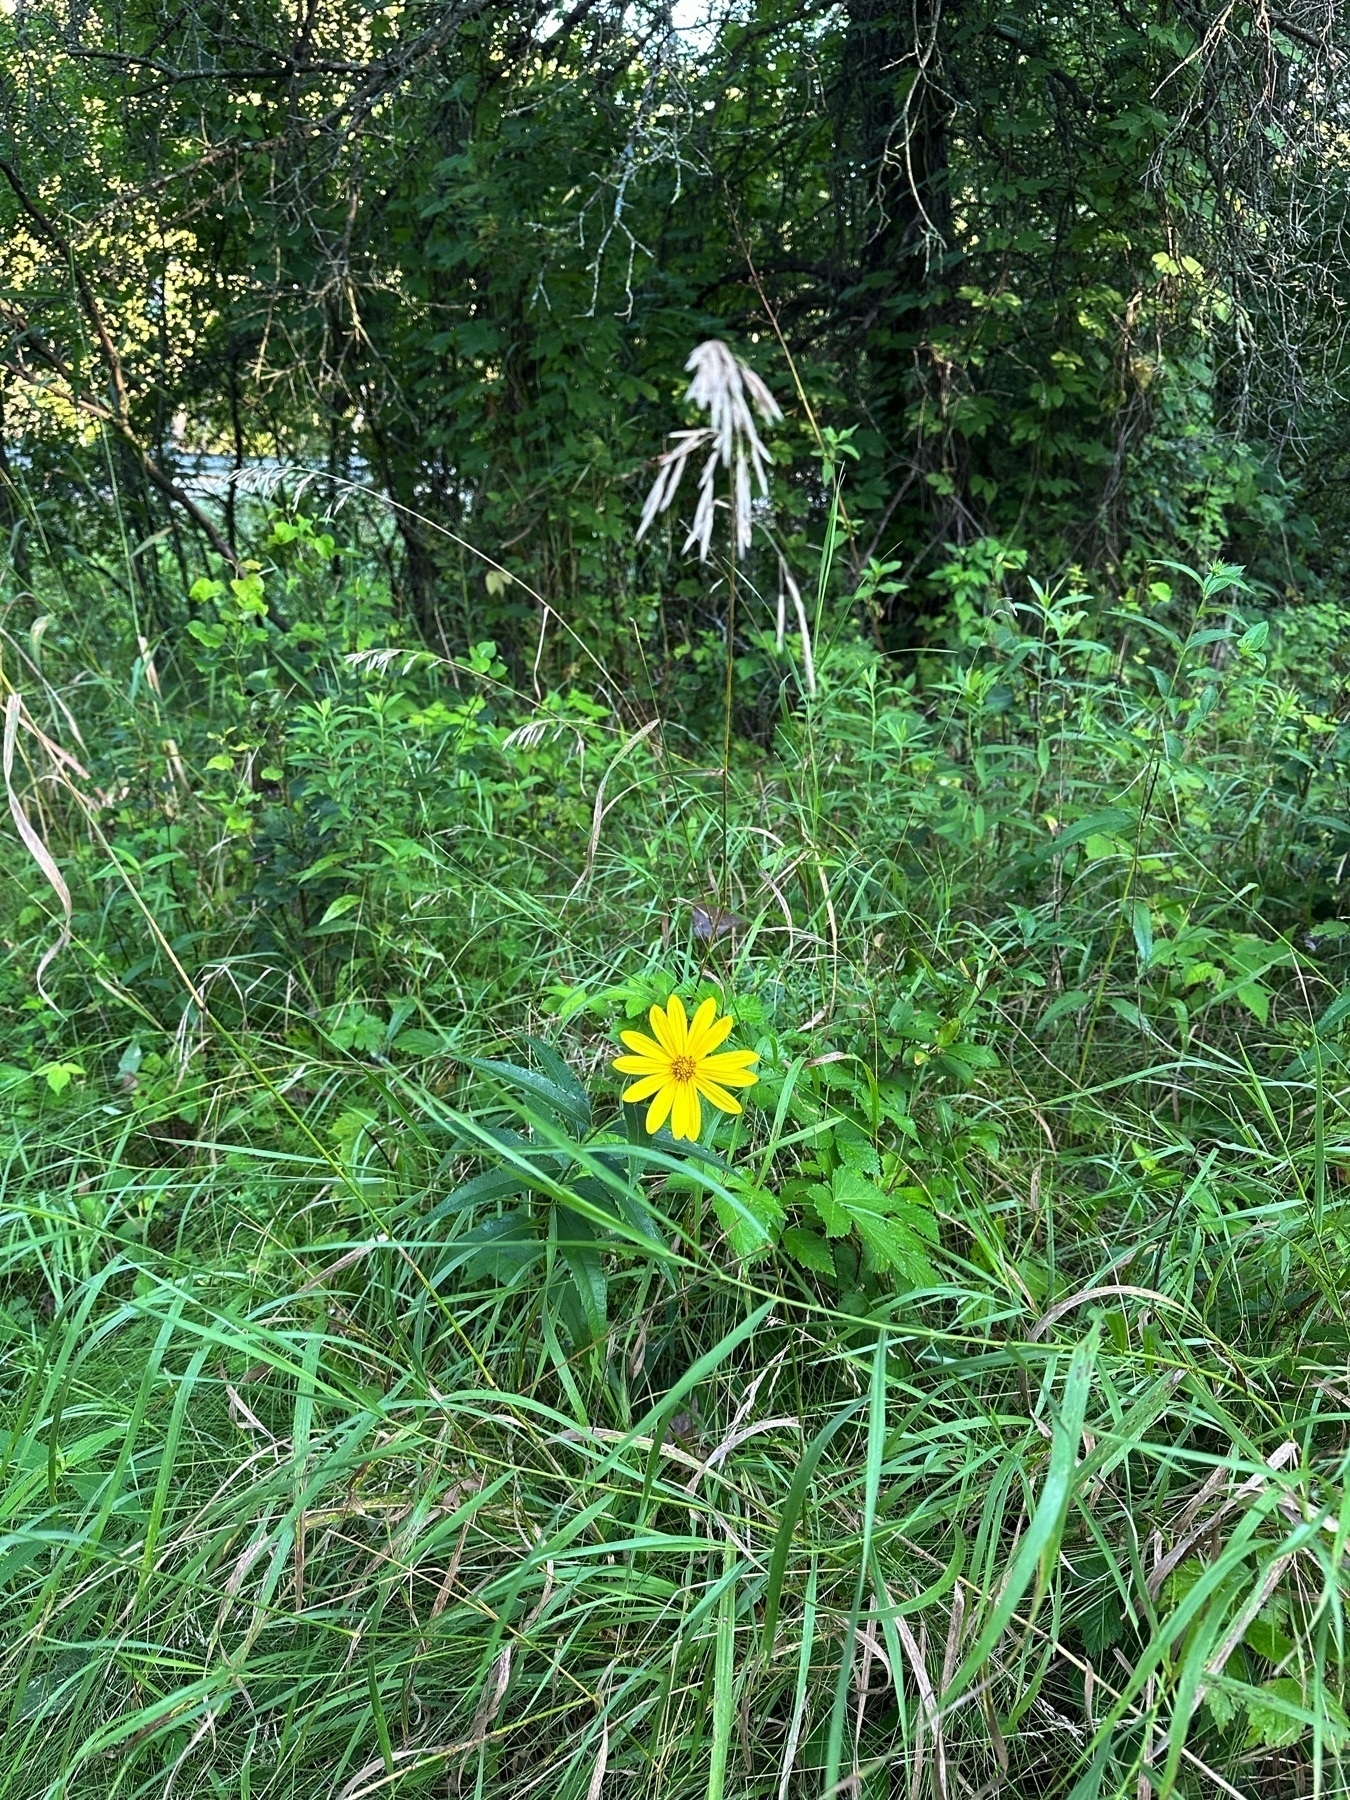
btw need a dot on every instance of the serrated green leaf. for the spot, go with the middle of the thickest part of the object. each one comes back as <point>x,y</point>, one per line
<point>558,1071</point>
<point>478,1190</point>
<point>581,1252</point>
<point>809,1249</point>
<point>895,1231</point>
<point>1222,1706</point>
<point>751,1217</point>
<point>856,1150</point>
<point>500,1249</point>
<point>1279,1713</point>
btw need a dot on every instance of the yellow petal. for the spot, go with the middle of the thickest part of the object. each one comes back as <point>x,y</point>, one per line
<point>729,1072</point>
<point>698,1025</point>
<point>644,1046</point>
<point>644,1089</point>
<point>659,1109</point>
<point>720,1098</point>
<point>717,1033</point>
<point>677,1110</point>
<point>677,1025</point>
<point>660,1024</point>
<point>686,1119</point>
<point>642,1065</point>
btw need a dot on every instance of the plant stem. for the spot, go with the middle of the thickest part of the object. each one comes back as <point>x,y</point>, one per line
<point>725,888</point>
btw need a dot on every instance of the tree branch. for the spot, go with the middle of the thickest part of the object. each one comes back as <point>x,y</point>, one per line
<point>118,417</point>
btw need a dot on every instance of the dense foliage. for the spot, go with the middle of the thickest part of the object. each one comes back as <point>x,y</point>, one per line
<point>384,1409</point>
<point>1066,278</point>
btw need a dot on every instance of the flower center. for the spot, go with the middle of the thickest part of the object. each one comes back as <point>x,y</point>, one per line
<point>682,1068</point>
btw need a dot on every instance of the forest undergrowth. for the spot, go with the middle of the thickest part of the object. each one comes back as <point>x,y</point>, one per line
<point>384,1411</point>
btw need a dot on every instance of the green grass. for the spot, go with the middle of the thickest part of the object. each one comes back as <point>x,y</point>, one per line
<point>383,1413</point>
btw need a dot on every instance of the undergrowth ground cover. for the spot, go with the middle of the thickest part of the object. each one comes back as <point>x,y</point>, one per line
<point>384,1411</point>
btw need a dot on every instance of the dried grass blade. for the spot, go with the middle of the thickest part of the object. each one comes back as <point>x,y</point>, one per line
<point>34,845</point>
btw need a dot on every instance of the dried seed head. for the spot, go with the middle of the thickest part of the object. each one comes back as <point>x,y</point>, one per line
<point>731,393</point>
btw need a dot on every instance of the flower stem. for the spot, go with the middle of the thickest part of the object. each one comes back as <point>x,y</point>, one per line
<point>725,889</point>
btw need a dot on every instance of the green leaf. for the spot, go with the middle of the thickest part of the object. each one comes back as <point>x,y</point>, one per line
<point>809,1249</point>
<point>1141,922</point>
<point>1073,1001</point>
<point>581,1252</point>
<point>1127,1010</point>
<point>1114,818</point>
<point>560,1074</point>
<point>751,1217</point>
<point>1222,1706</point>
<point>1279,1714</point>
<point>896,1228</point>
<point>343,904</point>
<point>855,1149</point>
<point>58,1075</point>
<point>1335,1013</point>
<point>499,1249</point>
<point>1101,1623</point>
<point>416,1041</point>
<point>570,1103</point>
<point>1256,999</point>
<point>478,1190</point>
<point>350,1126</point>
<point>1266,1638</point>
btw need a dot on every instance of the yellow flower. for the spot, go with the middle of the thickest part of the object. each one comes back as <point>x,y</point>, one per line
<point>678,1064</point>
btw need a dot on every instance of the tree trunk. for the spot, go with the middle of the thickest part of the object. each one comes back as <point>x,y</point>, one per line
<point>893,122</point>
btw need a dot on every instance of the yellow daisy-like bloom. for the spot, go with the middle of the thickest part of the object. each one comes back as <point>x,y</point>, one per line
<point>680,1063</point>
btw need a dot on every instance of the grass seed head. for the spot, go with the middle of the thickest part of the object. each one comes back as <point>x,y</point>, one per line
<point>730,393</point>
